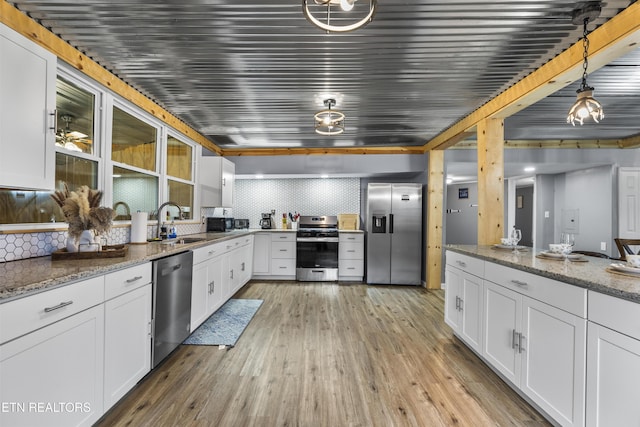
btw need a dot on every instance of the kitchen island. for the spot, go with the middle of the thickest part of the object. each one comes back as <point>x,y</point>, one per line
<point>592,275</point>
<point>564,334</point>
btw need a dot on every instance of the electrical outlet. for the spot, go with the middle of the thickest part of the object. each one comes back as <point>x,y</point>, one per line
<point>603,246</point>
<point>546,214</point>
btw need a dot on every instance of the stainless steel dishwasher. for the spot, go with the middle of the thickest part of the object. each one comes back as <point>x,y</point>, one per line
<point>171,304</point>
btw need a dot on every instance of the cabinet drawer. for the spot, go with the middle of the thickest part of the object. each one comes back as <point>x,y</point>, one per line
<point>558,294</point>
<point>615,313</point>
<point>351,237</point>
<point>119,282</point>
<point>27,314</point>
<point>283,236</point>
<point>466,263</point>
<point>283,267</point>
<point>207,252</point>
<point>349,250</point>
<point>283,250</point>
<point>351,267</point>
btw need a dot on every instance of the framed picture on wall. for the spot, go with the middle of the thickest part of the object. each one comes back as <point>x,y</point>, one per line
<point>463,193</point>
<point>519,201</point>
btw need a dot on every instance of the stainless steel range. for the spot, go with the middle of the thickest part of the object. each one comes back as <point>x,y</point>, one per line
<point>317,249</point>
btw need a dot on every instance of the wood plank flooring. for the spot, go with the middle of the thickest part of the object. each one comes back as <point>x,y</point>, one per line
<point>326,354</point>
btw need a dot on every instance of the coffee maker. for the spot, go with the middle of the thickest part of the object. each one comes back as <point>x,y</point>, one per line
<point>267,221</point>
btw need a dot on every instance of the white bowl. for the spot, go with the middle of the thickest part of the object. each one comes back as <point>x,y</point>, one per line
<point>505,241</point>
<point>556,248</point>
<point>633,260</point>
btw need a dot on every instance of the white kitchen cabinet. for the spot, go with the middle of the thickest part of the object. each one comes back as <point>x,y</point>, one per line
<point>279,251</point>
<point>216,181</point>
<point>613,367</point>
<point>262,254</point>
<point>539,348</point>
<point>27,113</point>
<point>127,353</point>
<point>219,271</point>
<point>463,306</point>
<point>351,256</point>
<point>53,376</point>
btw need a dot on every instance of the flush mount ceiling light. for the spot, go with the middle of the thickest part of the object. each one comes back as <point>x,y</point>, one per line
<point>586,105</point>
<point>329,122</point>
<point>346,14</point>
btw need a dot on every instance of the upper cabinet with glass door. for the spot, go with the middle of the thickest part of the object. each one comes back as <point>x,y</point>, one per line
<point>27,104</point>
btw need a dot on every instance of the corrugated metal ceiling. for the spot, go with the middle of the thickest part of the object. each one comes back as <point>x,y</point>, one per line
<point>251,74</point>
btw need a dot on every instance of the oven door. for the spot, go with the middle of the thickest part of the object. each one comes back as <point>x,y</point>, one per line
<point>317,259</point>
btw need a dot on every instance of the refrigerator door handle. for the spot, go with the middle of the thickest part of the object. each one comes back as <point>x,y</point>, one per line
<point>390,223</point>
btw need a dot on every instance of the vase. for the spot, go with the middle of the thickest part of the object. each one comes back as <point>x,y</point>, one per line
<point>72,245</point>
<point>86,242</point>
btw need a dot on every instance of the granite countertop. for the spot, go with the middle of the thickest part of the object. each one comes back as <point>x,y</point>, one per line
<point>592,275</point>
<point>25,277</point>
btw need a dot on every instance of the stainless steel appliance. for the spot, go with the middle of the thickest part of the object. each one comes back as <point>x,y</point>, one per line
<point>394,234</point>
<point>317,248</point>
<point>241,223</point>
<point>218,224</point>
<point>171,304</point>
<point>267,221</point>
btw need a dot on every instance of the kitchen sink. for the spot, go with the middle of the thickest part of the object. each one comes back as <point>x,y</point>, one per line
<point>183,240</point>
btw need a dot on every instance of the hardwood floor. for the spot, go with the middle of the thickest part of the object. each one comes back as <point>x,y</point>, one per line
<point>323,354</point>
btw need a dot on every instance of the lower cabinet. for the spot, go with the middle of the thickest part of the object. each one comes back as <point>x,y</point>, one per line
<point>127,355</point>
<point>351,256</point>
<point>613,367</point>
<point>54,376</point>
<point>463,306</point>
<point>224,268</point>
<point>274,255</point>
<point>540,349</point>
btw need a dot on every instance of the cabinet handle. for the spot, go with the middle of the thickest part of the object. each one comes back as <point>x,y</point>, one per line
<point>520,338</point>
<point>211,252</point>
<point>351,250</point>
<point>231,274</point>
<point>224,182</point>
<point>282,268</point>
<point>57,307</point>
<point>283,237</point>
<point>457,303</point>
<point>134,279</point>
<point>242,269</point>
<point>462,264</point>
<point>283,250</point>
<point>461,304</point>
<point>519,283</point>
<point>54,114</point>
<point>212,287</point>
<point>514,339</point>
<point>351,268</point>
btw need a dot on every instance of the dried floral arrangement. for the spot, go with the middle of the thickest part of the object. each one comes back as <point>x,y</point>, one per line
<point>82,210</point>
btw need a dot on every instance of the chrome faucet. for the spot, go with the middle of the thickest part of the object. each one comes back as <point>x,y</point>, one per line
<point>159,214</point>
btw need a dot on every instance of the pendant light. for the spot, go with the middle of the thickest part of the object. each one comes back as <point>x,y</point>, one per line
<point>586,105</point>
<point>349,16</point>
<point>329,122</point>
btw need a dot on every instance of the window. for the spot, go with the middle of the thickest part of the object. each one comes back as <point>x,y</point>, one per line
<point>180,175</point>
<point>133,142</point>
<point>132,192</point>
<point>75,110</point>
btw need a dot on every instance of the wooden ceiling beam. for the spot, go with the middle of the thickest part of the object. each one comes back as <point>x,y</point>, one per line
<point>21,23</point>
<point>614,38</point>
<point>320,151</point>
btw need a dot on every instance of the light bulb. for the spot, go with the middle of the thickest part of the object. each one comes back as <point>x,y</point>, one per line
<point>347,5</point>
<point>326,120</point>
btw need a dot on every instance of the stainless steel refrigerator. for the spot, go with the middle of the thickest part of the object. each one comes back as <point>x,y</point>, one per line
<point>394,234</point>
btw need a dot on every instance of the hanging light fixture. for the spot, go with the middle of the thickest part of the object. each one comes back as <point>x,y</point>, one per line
<point>329,122</point>
<point>586,105</point>
<point>321,11</point>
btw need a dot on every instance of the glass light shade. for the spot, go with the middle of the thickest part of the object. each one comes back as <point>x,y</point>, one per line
<point>324,22</point>
<point>585,106</point>
<point>329,122</point>
<point>347,5</point>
